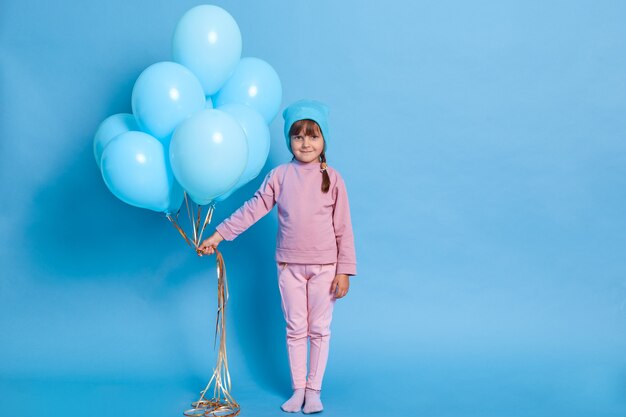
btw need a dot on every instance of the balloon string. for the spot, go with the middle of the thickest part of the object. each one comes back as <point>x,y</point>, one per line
<point>193,223</point>
<point>187,205</point>
<point>207,220</point>
<point>222,403</point>
<point>221,375</point>
<point>196,227</point>
<point>180,230</point>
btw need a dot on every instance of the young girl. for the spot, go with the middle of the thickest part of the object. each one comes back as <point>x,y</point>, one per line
<point>315,246</point>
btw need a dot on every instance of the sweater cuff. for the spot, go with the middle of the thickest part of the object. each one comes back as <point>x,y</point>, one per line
<point>346,268</point>
<point>223,230</point>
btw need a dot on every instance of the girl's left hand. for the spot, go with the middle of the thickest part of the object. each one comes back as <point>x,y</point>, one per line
<point>341,284</point>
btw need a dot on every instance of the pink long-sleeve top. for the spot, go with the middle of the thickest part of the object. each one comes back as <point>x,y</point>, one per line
<point>313,227</point>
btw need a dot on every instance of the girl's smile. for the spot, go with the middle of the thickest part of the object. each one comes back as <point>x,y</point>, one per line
<point>307,148</point>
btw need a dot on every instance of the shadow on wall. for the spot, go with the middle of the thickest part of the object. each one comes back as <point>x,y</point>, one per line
<point>92,236</point>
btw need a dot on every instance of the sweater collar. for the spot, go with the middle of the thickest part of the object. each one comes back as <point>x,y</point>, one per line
<point>307,166</point>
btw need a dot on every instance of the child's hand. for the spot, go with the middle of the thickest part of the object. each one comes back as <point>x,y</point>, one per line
<point>341,284</point>
<point>209,245</point>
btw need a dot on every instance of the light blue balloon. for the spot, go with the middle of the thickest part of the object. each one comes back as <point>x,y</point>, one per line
<point>254,83</point>
<point>165,94</point>
<point>208,153</point>
<point>207,40</point>
<point>209,103</point>
<point>110,128</point>
<point>258,137</point>
<point>224,196</point>
<point>135,169</point>
<point>177,194</point>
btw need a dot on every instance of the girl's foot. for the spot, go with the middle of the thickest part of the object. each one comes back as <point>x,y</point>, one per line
<point>312,402</point>
<point>294,404</point>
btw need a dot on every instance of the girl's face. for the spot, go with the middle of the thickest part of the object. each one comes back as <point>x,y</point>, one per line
<point>307,147</point>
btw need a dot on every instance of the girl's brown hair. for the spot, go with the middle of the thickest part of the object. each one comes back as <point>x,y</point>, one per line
<point>309,127</point>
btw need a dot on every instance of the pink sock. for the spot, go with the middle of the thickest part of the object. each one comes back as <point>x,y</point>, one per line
<point>312,402</point>
<point>294,404</point>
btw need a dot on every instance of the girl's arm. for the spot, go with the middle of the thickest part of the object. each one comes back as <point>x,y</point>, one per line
<point>346,256</point>
<point>252,210</point>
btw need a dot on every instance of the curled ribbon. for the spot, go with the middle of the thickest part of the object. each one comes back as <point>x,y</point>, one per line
<point>221,403</point>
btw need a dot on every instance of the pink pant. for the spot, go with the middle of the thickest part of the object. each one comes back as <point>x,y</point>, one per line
<point>307,303</point>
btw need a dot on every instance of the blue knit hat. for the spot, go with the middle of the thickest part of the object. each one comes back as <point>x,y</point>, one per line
<point>306,109</point>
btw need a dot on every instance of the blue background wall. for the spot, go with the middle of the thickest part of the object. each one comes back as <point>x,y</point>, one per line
<point>483,144</point>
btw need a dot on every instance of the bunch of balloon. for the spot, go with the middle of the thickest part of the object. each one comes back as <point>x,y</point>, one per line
<point>198,132</point>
